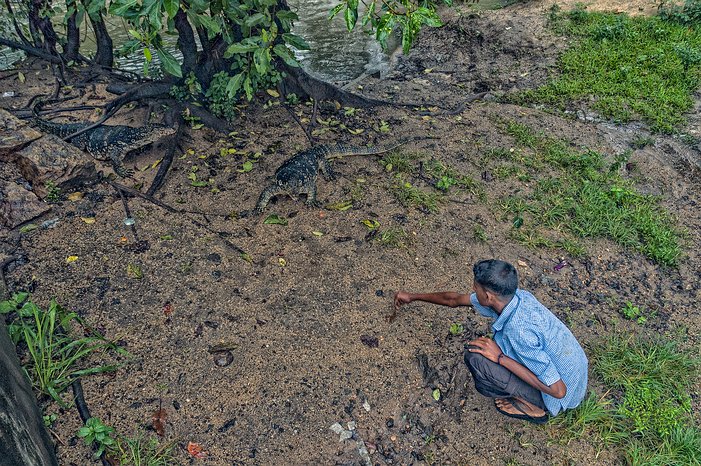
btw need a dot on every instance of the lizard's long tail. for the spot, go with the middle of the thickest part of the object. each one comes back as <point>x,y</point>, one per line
<point>337,151</point>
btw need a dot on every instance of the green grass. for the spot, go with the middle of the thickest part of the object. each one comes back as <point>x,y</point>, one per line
<point>410,196</point>
<point>575,195</point>
<point>55,357</point>
<point>393,237</point>
<point>647,410</point>
<point>422,170</point>
<point>625,67</point>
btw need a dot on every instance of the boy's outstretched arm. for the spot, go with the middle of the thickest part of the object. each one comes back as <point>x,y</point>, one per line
<point>443,298</point>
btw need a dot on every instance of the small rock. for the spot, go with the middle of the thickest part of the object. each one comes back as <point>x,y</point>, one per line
<point>345,435</point>
<point>337,428</point>
<point>223,358</point>
<point>18,206</point>
<point>351,425</point>
<point>389,423</point>
<point>366,406</point>
<point>214,257</point>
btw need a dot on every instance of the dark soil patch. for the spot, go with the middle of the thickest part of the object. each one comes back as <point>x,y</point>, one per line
<point>310,339</point>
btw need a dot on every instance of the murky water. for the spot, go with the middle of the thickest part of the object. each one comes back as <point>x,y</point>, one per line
<point>336,54</point>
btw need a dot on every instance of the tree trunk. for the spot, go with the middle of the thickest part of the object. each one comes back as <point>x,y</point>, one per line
<point>42,31</point>
<point>104,55</point>
<point>71,49</point>
<point>186,42</point>
<point>24,441</point>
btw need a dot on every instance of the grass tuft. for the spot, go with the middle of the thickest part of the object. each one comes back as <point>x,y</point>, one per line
<point>626,67</point>
<point>576,195</point>
<point>647,410</point>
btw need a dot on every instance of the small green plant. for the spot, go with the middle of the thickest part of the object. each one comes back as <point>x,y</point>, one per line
<point>53,192</point>
<point>456,329</point>
<point>97,434</point>
<point>134,271</point>
<point>445,183</point>
<point>410,196</point>
<point>219,101</point>
<point>393,237</point>
<point>632,312</point>
<point>479,234</point>
<point>399,161</point>
<point>49,420</point>
<point>55,356</point>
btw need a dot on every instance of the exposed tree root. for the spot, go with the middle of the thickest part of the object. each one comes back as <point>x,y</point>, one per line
<point>165,164</point>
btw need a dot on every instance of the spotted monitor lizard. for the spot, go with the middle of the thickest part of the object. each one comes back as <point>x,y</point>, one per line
<point>298,174</point>
<point>105,142</point>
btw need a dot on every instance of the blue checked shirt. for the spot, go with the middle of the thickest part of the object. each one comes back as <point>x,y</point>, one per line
<point>529,333</point>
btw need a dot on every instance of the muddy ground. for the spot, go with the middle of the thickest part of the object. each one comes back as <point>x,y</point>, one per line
<point>303,315</point>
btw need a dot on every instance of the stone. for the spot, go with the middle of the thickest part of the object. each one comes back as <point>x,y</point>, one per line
<point>18,205</point>
<point>14,135</point>
<point>53,160</point>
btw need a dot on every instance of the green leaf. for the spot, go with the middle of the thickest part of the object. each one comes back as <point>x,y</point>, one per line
<point>253,20</point>
<point>248,87</point>
<point>261,60</point>
<point>234,84</point>
<point>169,63</point>
<point>147,54</point>
<point>295,41</point>
<point>287,15</point>
<point>239,48</point>
<point>351,17</point>
<point>369,13</point>
<point>274,219</point>
<point>246,167</point>
<point>211,25</point>
<point>29,227</point>
<point>284,53</point>
<point>437,394</point>
<point>171,7</point>
<point>518,222</point>
<point>336,10</point>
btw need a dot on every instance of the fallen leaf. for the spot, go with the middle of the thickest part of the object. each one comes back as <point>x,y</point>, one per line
<point>281,261</point>
<point>196,450</point>
<point>88,220</point>
<point>317,233</point>
<point>272,92</point>
<point>522,264</point>
<point>29,227</point>
<point>159,421</point>
<point>76,196</point>
<point>437,394</point>
<point>275,220</point>
<point>70,259</point>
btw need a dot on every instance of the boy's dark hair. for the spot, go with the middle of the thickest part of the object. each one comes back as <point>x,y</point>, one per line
<point>497,276</point>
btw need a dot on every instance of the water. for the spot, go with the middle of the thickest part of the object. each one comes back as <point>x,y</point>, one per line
<point>335,55</point>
